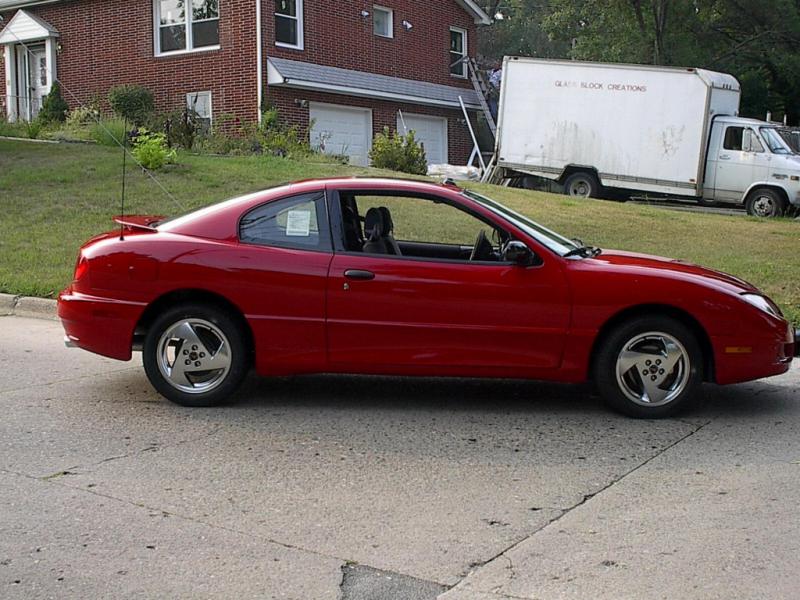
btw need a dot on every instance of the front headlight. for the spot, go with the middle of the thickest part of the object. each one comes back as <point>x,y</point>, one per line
<point>763,303</point>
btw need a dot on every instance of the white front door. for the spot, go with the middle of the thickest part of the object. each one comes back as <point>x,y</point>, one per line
<point>31,80</point>
<point>342,130</point>
<point>38,78</point>
<point>431,131</point>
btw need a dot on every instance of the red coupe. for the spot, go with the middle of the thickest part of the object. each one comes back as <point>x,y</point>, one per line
<point>408,278</point>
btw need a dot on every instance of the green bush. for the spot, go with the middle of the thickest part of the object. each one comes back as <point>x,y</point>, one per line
<point>33,129</point>
<point>151,151</point>
<point>181,128</point>
<point>109,132</point>
<point>82,116</point>
<point>132,102</point>
<point>54,108</point>
<point>398,153</point>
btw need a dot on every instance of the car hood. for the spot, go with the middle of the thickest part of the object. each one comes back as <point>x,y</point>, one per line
<point>631,260</point>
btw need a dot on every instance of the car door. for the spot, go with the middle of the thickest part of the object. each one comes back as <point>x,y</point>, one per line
<point>411,315</point>
<point>740,162</point>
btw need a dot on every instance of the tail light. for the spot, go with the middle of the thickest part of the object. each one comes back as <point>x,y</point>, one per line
<point>81,268</point>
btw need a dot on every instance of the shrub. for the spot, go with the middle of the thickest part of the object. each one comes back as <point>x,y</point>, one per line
<point>151,151</point>
<point>398,153</point>
<point>181,128</point>
<point>54,108</point>
<point>109,132</point>
<point>82,116</point>
<point>33,129</point>
<point>132,102</point>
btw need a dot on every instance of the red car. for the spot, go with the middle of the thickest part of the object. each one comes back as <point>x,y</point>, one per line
<point>408,278</point>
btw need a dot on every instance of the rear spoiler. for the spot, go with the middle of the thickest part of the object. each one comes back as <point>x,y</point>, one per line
<point>145,222</point>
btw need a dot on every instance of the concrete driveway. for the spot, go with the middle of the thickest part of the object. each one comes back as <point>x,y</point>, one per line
<point>372,488</point>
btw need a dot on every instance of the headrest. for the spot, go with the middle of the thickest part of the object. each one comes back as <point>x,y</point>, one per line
<point>374,224</point>
<point>387,219</point>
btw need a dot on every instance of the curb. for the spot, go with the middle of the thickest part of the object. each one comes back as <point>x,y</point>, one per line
<point>24,306</point>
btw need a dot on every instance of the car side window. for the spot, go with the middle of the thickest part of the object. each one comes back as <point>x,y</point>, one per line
<point>297,222</point>
<point>733,138</point>
<point>420,227</point>
<point>751,143</point>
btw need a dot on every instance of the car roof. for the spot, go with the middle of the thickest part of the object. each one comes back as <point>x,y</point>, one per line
<point>218,220</point>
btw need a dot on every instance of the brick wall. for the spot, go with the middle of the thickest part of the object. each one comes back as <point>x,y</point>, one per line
<point>383,114</point>
<point>337,35</point>
<point>110,42</point>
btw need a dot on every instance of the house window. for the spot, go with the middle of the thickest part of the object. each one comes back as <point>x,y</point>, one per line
<point>383,21</point>
<point>458,51</point>
<point>184,25</point>
<point>289,23</point>
<point>200,104</point>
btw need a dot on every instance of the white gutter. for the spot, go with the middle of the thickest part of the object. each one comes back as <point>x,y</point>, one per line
<point>259,60</point>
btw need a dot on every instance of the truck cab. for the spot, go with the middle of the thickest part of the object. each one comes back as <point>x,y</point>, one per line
<point>749,162</point>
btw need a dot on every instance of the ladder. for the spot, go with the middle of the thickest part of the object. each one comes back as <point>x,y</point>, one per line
<point>482,89</point>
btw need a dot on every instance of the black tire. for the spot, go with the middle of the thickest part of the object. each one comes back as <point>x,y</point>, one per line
<point>620,384</point>
<point>582,185</point>
<point>765,203</point>
<point>220,345</point>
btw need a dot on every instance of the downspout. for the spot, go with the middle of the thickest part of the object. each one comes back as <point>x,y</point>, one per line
<point>259,60</point>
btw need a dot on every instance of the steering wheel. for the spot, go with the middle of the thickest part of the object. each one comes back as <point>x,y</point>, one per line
<point>482,250</point>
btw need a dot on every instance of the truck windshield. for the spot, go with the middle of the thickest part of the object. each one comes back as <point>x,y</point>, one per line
<point>557,243</point>
<point>774,141</point>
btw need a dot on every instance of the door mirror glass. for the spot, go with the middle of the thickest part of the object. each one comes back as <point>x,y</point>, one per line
<point>518,253</point>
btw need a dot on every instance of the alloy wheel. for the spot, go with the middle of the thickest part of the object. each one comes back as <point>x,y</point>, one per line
<point>653,369</point>
<point>194,356</point>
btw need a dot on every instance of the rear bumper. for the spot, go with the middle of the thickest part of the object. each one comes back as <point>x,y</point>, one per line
<point>100,325</point>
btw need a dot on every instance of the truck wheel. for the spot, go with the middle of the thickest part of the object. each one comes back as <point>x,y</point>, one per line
<point>582,185</point>
<point>649,367</point>
<point>195,355</point>
<point>765,203</point>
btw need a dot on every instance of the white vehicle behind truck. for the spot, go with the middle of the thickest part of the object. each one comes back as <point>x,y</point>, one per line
<point>660,131</point>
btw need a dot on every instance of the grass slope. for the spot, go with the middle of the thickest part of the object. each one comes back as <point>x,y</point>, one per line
<point>54,197</point>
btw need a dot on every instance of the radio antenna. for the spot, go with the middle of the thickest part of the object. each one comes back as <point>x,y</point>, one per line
<point>122,198</point>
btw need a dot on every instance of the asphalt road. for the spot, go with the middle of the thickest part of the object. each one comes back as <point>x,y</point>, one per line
<point>371,488</point>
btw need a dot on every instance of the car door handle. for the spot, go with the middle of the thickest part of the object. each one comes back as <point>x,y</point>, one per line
<point>359,275</point>
<point>724,156</point>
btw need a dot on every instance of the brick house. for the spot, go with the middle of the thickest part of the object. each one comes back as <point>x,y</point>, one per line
<point>346,67</point>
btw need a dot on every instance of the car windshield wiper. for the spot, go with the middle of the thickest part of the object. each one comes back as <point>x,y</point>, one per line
<point>585,251</point>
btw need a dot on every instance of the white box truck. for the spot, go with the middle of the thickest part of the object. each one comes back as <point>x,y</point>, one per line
<point>663,131</point>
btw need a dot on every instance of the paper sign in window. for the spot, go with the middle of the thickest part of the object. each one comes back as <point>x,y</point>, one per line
<point>298,223</point>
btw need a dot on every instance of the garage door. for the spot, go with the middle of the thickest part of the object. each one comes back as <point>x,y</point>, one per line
<point>342,130</point>
<point>431,131</point>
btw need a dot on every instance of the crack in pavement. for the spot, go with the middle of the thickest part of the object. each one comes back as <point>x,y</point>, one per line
<point>66,380</point>
<point>503,554</point>
<point>176,515</point>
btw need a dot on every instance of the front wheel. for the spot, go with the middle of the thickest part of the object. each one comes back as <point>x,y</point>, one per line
<point>649,367</point>
<point>195,355</point>
<point>765,203</point>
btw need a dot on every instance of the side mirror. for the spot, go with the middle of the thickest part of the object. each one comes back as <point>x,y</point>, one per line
<point>518,253</point>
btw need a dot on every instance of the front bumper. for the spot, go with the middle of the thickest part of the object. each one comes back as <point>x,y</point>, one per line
<point>797,342</point>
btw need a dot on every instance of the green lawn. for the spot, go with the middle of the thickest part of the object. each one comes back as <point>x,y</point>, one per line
<point>53,197</point>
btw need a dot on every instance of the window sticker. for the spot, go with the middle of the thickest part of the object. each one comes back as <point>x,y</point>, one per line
<point>298,223</point>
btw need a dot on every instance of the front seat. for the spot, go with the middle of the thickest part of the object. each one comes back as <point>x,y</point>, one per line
<point>378,228</point>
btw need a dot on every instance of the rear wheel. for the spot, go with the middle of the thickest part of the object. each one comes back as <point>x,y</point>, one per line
<point>649,367</point>
<point>582,185</point>
<point>765,203</point>
<point>195,355</point>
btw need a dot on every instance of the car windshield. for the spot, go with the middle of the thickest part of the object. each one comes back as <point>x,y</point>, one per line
<point>774,140</point>
<point>555,242</point>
